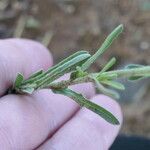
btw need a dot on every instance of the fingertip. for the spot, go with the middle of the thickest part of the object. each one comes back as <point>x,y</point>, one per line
<point>34,49</point>
<point>21,55</point>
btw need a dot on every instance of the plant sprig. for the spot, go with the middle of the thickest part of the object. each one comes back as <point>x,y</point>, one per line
<point>77,65</point>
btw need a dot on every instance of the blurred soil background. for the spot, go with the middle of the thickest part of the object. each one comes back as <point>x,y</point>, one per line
<point>66,26</point>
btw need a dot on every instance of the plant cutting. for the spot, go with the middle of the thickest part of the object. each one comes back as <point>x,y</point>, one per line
<point>78,65</point>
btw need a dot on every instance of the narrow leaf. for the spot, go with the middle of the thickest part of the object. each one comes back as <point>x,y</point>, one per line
<point>108,65</point>
<point>89,105</point>
<point>136,78</point>
<point>79,53</point>
<point>114,84</point>
<point>67,67</point>
<point>106,91</point>
<point>78,73</point>
<point>68,59</point>
<point>28,90</point>
<point>103,76</point>
<point>18,80</point>
<point>36,74</point>
<point>132,66</point>
<point>109,40</point>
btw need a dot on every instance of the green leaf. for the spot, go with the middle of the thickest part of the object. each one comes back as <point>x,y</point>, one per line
<point>89,105</point>
<point>108,65</point>
<point>114,84</point>
<point>66,67</point>
<point>29,90</point>
<point>64,61</point>
<point>36,74</point>
<point>106,91</point>
<point>18,80</point>
<point>109,40</point>
<point>50,70</point>
<point>78,73</point>
<point>133,66</point>
<point>103,76</point>
<point>135,78</point>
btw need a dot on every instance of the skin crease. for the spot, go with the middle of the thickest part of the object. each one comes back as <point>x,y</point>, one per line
<point>44,120</point>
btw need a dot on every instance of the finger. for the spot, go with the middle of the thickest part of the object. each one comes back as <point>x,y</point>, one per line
<point>26,121</point>
<point>22,56</point>
<point>87,130</point>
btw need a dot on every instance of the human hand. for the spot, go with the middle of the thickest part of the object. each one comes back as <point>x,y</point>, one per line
<point>44,120</point>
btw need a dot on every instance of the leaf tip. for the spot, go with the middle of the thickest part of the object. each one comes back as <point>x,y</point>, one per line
<point>18,80</point>
<point>121,27</point>
<point>116,122</point>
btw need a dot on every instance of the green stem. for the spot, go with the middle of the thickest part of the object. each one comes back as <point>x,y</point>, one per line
<point>66,83</point>
<point>144,71</point>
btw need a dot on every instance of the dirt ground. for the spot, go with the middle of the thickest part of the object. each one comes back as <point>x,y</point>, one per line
<point>66,26</point>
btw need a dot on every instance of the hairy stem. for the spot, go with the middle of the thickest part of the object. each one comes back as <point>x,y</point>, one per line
<point>144,71</point>
<point>66,83</point>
